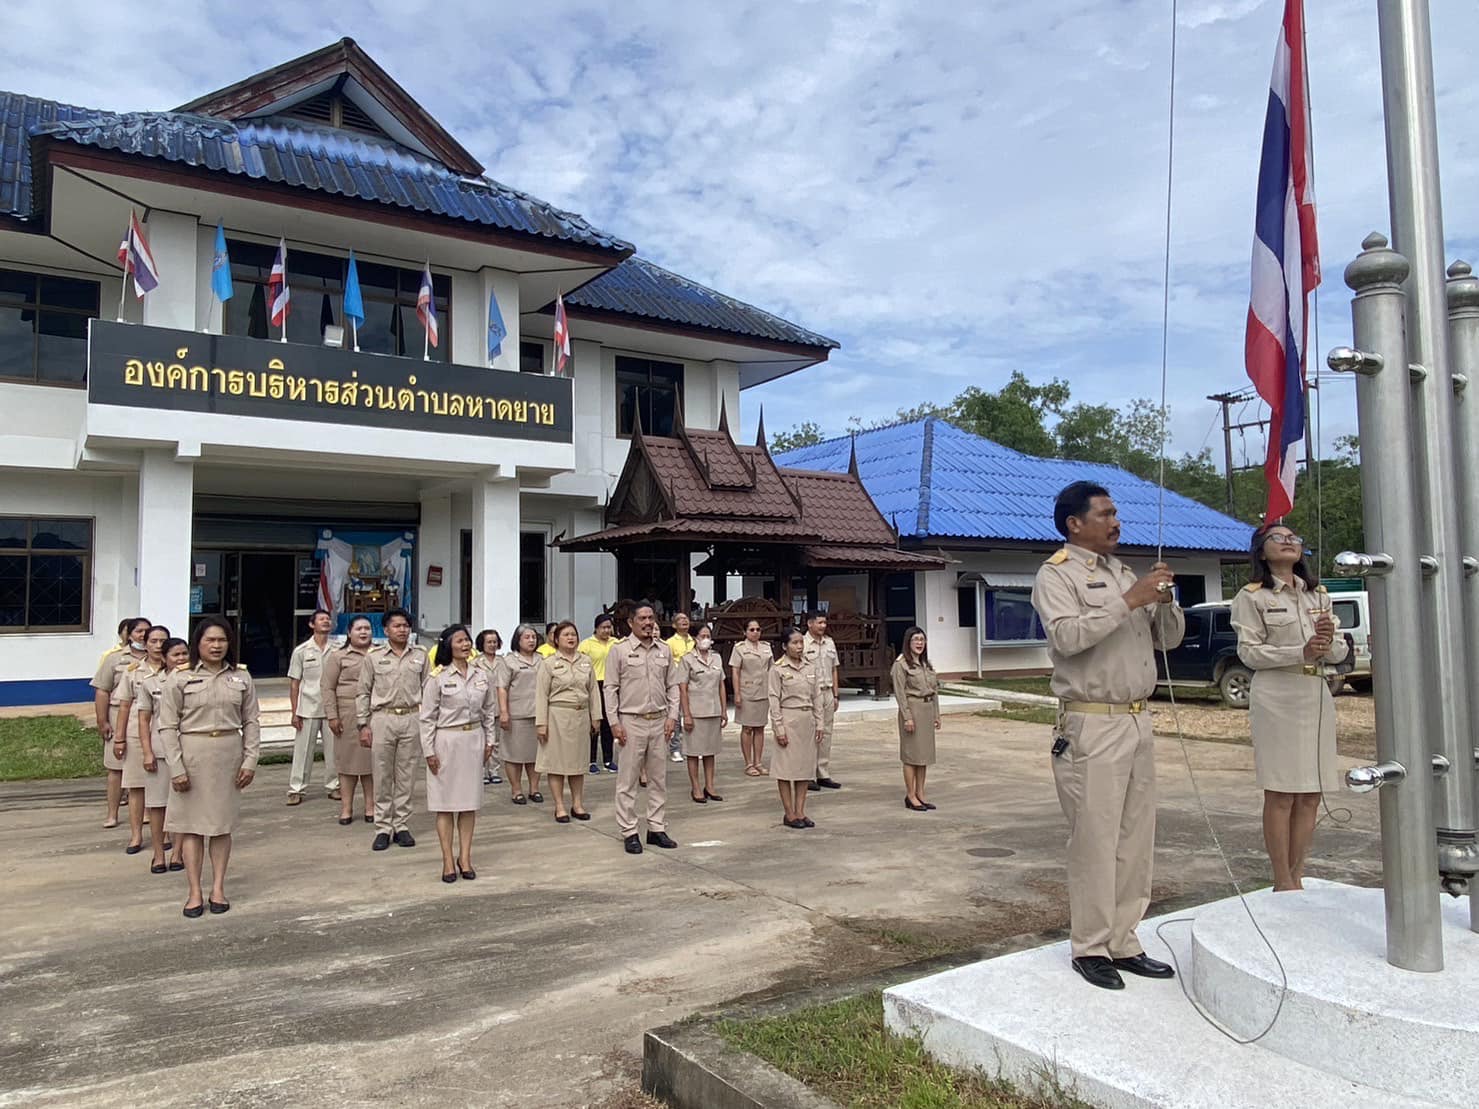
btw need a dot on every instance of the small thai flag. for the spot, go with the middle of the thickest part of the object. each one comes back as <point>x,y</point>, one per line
<point>562,336</point>
<point>135,258</point>
<point>426,309</point>
<point>278,293</point>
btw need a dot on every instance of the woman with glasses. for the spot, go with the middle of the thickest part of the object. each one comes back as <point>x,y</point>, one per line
<point>518,672</point>
<point>1287,636</point>
<point>208,724</point>
<point>916,691</point>
<point>749,671</point>
<point>458,704</point>
<point>340,684</point>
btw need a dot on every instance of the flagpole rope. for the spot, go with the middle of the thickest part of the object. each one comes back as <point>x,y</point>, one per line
<point>1160,551</point>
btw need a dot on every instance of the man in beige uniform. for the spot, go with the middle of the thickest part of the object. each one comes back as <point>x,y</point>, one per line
<point>821,652</point>
<point>388,707</point>
<point>1103,626</point>
<point>642,705</point>
<point>310,721</point>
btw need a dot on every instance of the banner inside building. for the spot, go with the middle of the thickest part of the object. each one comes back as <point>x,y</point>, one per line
<point>365,572</point>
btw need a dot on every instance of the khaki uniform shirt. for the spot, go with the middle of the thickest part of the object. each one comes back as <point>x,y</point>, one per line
<point>794,687</point>
<point>1273,625</point>
<point>753,661</point>
<point>705,682</point>
<point>388,680</point>
<point>566,683</point>
<point>1101,651</point>
<point>451,700</point>
<point>338,681</point>
<point>822,653</point>
<point>306,666</point>
<point>198,701</point>
<point>110,670</point>
<point>916,682</point>
<point>518,675</point>
<point>641,679</point>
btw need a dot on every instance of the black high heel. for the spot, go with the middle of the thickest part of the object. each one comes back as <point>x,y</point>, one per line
<point>912,807</point>
<point>469,874</point>
<point>449,878</point>
<point>711,796</point>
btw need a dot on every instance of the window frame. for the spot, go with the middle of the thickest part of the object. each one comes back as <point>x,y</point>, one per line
<point>647,362</point>
<point>85,556</point>
<point>541,534</point>
<point>989,618</point>
<point>530,346</point>
<point>39,307</point>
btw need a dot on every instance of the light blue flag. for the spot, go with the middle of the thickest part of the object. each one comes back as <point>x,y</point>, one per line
<point>354,305</point>
<point>496,331</point>
<point>221,268</point>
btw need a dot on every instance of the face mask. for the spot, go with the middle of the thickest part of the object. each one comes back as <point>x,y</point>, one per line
<point>703,644</point>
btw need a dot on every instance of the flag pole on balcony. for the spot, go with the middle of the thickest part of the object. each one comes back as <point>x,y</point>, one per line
<point>426,312</point>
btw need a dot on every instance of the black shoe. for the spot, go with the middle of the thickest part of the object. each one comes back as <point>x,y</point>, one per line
<point>219,907</point>
<point>468,875</point>
<point>450,878</point>
<point>633,844</point>
<point>198,911</point>
<point>519,799</point>
<point>1098,970</point>
<point>177,865</point>
<point>369,820</point>
<point>404,838</point>
<point>133,848</point>
<point>712,796</point>
<point>661,839</point>
<point>537,797</point>
<point>157,868</point>
<point>346,820</point>
<point>928,806</point>
<point>580,815</point>
<point>382,841</point>
<point>912,807</point>
<point>563,818</point>
<point>808,822</point>
<point>1145,966</point>
<point>828,783</point>
<point>789,823</point>
<point>704,800</point>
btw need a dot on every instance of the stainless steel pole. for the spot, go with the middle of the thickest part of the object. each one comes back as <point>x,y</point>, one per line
<point>1463,326</point>
<point>1390,515</point>
<point>1417,233</point>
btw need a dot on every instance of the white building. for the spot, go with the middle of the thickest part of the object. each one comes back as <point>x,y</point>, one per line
<point>188,462</point>
<point>990,509</point>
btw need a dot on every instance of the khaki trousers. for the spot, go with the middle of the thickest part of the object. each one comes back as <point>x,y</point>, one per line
<point>395,745</point>
<point>1106,785</point>
<point>829,714</point>
<point>315,729</point>
<point>644,748</point>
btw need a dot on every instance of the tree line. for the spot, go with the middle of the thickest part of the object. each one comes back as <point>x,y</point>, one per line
<point>1042,420</point>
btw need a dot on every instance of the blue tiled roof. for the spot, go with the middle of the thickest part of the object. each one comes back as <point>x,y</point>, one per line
<point>638,287</point>
<point>937,482</point>
<point>293,153</point>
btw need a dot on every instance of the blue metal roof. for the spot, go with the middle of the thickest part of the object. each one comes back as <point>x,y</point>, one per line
<point>638,287</point>
<point>286,152</point>
<point>937,482</point>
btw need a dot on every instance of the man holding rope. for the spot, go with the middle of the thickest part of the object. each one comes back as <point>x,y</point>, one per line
<point>1104,626</point>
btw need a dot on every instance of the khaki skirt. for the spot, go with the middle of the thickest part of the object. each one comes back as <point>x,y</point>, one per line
<point>212,804</point>
<point>797,760</point>
<point>705,739</point>
<point>156,785</point>
<point>110,760</point>
<point>568,749</point>
<point>350,757</point>
<point>519,743</point>
<point>919,749</point>
<point>458,784</point>
<point>1291,716</point>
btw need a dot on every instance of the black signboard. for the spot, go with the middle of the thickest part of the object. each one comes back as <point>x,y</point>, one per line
<point>153,367</point>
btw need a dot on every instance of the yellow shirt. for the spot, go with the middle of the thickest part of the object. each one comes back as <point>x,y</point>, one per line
<point>596,650</point>
<point>544,649</point>
<point>431,655</point>
<point>680,645</point>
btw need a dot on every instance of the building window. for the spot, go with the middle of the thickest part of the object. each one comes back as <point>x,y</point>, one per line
<point>43,327</point>
<point>965,606</point>
<point>532,578</point>
<point>316,282</point>
<point>45,574</point>
<point>655,389</point>
<point>531,358</point>
<point>1010,617</point>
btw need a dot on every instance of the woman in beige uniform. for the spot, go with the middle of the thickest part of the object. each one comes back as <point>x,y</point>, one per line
<point>175,653</point>
<point>129,747</point>
<point>208,726</point>
<point>567,712</point>
<point>796,708</point>
<point>915,690</point>
<point>487,648</point>
<point>111,666</point>
<point>340,684</point>
<point>705,712</point>
<point>458,704</point>
<point>1286,635</point>
<point>749,667</point>
<point>517,674</point>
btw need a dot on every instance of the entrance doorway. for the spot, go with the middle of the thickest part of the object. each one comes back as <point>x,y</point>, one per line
<point>267,595</point>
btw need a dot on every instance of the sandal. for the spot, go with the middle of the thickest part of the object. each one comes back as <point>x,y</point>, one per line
<point>520,799</point>
<point>753,771</point>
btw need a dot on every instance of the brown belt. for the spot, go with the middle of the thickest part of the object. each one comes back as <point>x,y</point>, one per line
<point>216,734</point>
<point>457,727</point>
<point>397,710</point>
<point>1103,708</point>
<point>922,697</point>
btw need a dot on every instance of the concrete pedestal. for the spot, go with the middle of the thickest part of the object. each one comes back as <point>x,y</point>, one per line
<point>1353,1031</point>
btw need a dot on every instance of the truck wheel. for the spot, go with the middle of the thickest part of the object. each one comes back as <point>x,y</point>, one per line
<point>1336,682</point>
<point>1235,685</point>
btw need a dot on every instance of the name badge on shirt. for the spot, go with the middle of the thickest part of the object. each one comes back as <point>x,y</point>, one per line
<point>1097,585</point>
<point>1274,610</point>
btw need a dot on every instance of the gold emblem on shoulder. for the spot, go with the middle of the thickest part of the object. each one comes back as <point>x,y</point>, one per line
<point>1253,587</point>
<point>1059,557</point>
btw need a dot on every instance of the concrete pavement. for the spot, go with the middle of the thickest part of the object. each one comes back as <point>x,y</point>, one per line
<point>349,978</point>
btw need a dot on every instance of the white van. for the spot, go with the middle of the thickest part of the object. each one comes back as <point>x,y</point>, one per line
<point>1352,610</point>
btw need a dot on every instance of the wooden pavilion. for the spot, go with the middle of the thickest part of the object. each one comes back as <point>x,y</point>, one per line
<point>781,530</point>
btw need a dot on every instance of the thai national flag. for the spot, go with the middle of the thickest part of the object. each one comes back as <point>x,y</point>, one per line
<point>135,258</point>
<point>279,295</point>
<point>1286,262</point>
<point>426,308</point>
<point>562,336</point>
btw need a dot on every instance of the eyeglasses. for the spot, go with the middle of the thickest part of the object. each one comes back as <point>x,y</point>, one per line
<point>1286,540</point>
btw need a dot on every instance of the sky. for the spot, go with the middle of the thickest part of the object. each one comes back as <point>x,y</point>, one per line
<point>952,191</point>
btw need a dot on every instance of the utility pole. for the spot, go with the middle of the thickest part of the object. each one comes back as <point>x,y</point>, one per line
<point>1227,400</point>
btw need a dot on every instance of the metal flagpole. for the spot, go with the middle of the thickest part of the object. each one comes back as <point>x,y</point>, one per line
<point>127,242</point>
<point>425,325</point>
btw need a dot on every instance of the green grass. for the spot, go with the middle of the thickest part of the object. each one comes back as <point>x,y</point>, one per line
<point>843,1051</point>
<point>1027,714</point>
<point>33,747</point>
<point>1037,685</point>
